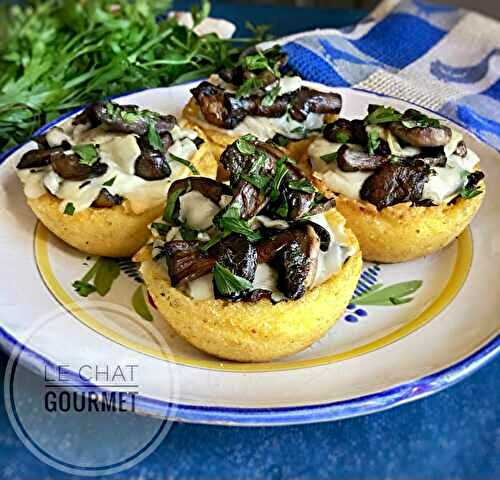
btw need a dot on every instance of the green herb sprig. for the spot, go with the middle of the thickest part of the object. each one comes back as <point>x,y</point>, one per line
<point>56,55</point>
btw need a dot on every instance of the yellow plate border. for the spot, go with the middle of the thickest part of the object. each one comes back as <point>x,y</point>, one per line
<point>456,280</point>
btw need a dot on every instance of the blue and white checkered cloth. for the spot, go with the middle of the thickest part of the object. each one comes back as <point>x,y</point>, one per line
<point>436,56</point>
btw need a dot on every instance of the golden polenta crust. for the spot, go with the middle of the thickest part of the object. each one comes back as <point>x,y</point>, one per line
<point>254,332</point>
<point>220,140</point>
<point>109,232</point>
<point>402,232</point>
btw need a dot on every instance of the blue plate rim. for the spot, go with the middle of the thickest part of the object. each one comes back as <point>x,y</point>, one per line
<point>275,416</point>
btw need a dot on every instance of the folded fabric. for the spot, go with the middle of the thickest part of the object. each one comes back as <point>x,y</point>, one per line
<point>436,56</point>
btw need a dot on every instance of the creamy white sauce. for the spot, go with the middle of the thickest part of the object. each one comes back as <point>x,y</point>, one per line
<point>345,183</point>
<point>119,151</point>
<point>196,210</point>
<point>440,188</point>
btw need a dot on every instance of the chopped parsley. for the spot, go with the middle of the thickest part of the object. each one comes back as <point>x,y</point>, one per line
<point>413,118</point>
<point>154,138</point>
<point>87,154</point>
<point>161,228</point>
<point>271,96</point>
<point>281,140</point>
<point>470,192</point>
<point>302,185</point>
<point>168,212</point>
<point>248,87</point>
<point>244,144</point>
<point>69,209</point>
<point>110,182</point>
<point>227,282</point>
<point>329,157</point>
<point>279,175</point>
<point>342,137</point>
<point>231,222</point>
<point>258,181</point>
<point>373,141</point>
<point>282,209</point>
<point>186,163</point>
<point>188,233</point>
<point>382,114</point>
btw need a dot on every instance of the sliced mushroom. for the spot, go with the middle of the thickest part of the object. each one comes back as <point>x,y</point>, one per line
<point>219,108</point>
<point>346,131</point>
<point>293,267</point>
<point>239,256</point>
<point>422,136</point>
<point>307,100</point>
<point>434,157</point>
<point>211,189</point>
<point>125,118</point>
<point>38,158</point>
<point>258,294</point>
<point>322,205</point>
<point>105,199</point>
<point>393,184</point>
<point>461,149</point>
<point>299,203</point>
<point>152,165</point>
<point>474,178</point>
<point>185,262</point>
<point>352,160</point>
<point>322,234</point>
<point>70,167</point>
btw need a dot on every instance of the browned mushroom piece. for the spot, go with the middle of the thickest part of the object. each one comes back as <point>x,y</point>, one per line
<point>38,158</point>
<point>352,160</point>
<point>185,261</point>
<point>461,149</point>
<point>433,157</point>
<point>258,294</point>
<point>152,165</point>
<point>422,136</point>
<point>299,203</point>
<point>393,184</point>
<point>306,100</point>
<point>322,205</point>
<point>293,267</point>
<point>125,118</point>
<point>219,108</point>
<point>346,131</point>
<point>209,188</point>
<point>105,199</point>
<point>70,167</point>
<point>239,256</point>
<point>277,109</point>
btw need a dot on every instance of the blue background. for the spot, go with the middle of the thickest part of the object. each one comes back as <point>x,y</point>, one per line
<point>452,435</point>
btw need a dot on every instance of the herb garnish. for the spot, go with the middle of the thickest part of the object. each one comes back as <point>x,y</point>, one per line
<point>271,96</point>
<point>104,272</point>
<point>154,138</point>
<point>282,209</point>
<point>302,185</point>
<point>185,162</point>
<point>231,222</point>
<point>279,175</point>
<point>244,144</point>
<point>69,209</point>
<point>412,118</point>
<point>75,52</point>
<point>382,114</point>
<point>342,137</point>
<point>227,282</point>
<point>259,181</point>
<point>110,182</point>
<point>87,154</point>
<point>329,157</point>
<point>470,192</point>
<point>373,141</point>
<point>139,304</point>
<point>168,212</point>
<point>396,294</point>
<point>161,228</point>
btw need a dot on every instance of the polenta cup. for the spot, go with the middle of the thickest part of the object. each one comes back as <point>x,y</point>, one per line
<point>111,217</point>
<point>254,269</point>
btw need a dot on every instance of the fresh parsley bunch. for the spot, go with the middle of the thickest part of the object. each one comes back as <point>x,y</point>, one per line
<point>56,55</point>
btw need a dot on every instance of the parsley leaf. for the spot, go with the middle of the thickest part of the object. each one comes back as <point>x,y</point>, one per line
<point>110,182</point>
<point>245,144</point>
<point>373,141</point>
<point>470,192</point>
<point>249,87</point>
<point>161,228</point>
<point>302,185</point>
<point>413,118</point>
<point>84,289</point>
<point>69,209</point>
<point>87,153</point>
<point>382,114</point>
<point>282,209</point>
<point>258,181</point>
<point>154,138</point>
<point>187,163</point>
<point>231,222</point>
<point>281,172</point>
<point>329,157</point>
<point>271,96</point>
<point>342,137</point>
<point>227,282</point>
<point>168,212</point>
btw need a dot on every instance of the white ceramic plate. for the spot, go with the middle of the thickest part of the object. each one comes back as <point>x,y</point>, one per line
<point>375,357</point>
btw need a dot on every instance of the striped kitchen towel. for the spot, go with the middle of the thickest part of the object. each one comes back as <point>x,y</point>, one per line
<point>439,57</point>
